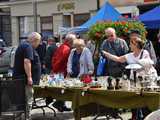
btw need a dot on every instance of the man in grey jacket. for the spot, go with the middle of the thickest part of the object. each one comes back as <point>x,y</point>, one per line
<point>115,46</point>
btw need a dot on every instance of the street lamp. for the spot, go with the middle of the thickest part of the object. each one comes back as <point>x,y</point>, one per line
<point>34,3</point>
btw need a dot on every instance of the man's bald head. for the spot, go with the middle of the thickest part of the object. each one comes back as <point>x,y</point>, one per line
<point>110,30</point>
<point>70,38</point>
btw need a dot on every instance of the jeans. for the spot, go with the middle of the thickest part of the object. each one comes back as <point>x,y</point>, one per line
<point>29,99</point>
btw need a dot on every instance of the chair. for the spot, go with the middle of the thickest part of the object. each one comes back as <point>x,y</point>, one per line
<point>36,106</point>
<point>153,116</point>
<point>12,97</point>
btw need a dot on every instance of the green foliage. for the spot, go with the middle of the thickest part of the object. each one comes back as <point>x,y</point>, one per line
<point>122,28</point>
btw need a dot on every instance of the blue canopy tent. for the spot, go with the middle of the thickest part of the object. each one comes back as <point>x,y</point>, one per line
<point>107,12</point>
<point>151,19</point>
<point>78,29</point>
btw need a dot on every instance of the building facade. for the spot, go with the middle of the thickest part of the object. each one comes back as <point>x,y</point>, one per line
<point>46,16</point>
<point>5,22</point>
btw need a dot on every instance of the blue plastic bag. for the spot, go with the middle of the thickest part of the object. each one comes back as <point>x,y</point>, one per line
<point>101,66</point>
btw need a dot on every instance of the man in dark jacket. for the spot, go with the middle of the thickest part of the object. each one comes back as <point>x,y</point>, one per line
<point>49,54</point>
<point>116,46</point>
<point>27,64</point>
<point>41,50</point>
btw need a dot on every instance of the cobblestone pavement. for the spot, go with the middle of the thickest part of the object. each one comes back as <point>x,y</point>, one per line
<point>37,114</point>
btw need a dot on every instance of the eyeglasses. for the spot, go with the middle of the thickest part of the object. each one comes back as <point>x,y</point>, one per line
<point>109,36</point>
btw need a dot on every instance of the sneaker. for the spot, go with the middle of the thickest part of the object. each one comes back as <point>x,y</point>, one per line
<point>66,109</point>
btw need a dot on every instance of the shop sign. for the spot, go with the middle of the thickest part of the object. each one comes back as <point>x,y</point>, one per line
<point>146,1</point>
<point>66,6</point>
<point>125,2</point>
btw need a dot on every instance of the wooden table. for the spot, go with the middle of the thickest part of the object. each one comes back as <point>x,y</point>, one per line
<point>109,98</point>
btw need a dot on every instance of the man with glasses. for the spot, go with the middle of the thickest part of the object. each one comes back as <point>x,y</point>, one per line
<point>115,46</point>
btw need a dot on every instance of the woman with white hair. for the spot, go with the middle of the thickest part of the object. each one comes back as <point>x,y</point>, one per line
<point>80,60</point>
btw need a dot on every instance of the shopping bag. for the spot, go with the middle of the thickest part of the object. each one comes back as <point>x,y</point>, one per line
<point>101,66</point>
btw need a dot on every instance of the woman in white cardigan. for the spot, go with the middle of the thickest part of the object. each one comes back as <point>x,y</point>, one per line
<point>80,60</point>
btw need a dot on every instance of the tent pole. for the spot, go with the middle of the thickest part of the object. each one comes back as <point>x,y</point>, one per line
<point>98,5</point>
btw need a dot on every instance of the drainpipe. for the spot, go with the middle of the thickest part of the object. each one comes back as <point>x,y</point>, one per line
<point>34,3</point>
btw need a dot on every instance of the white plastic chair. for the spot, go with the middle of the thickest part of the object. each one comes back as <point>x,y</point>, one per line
<point>153,116</point>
